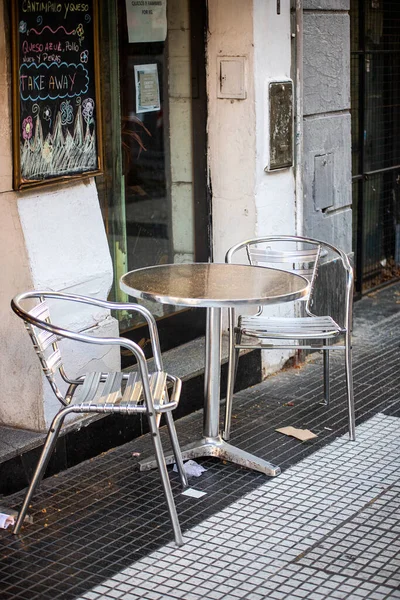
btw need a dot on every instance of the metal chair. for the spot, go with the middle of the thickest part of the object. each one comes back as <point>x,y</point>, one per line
<point>138,392</point>
<point>306,332</point>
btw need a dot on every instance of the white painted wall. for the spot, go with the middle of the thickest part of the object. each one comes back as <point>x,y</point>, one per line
<point>66,241</point>
<point>20,381</point>
<point>231,128</point>
<point>274,191</point>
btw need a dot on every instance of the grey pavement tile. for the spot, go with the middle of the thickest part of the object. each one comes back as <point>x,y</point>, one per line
<point>329,566</point>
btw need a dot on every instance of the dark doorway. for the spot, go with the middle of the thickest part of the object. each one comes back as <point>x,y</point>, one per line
<point>375,98</point>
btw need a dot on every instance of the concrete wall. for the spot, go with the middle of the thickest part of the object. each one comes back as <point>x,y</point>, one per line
<point>248,201</point>
<point>231,127</point>
<point>45,244</point>
<point>327,135</point>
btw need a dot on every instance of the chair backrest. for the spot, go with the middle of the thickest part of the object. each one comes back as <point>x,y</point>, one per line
<point>46,347</point>
<point>300,255</point>
<point>298,260</point>
<point>45,335</point>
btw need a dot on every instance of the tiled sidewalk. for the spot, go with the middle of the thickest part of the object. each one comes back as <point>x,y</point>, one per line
<point>326,528</point>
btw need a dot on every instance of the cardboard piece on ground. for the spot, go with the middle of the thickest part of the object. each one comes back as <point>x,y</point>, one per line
<point>300,434</point>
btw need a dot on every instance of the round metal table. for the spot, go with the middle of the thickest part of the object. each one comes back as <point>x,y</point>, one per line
<point>214,286</point>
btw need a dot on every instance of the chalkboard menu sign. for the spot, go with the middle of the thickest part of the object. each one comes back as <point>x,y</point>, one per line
<point>56,100</point>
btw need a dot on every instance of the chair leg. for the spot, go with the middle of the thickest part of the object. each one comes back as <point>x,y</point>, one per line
<point>233,361</point>
<point>327,387</point>
<point>48,448</point>
<point>176,449</point>
<point>350,390</point>
<point>162,468</point>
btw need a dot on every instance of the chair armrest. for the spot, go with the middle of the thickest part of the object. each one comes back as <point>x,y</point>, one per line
<point>176,389</point>
<point>173,401</point>
<point>75,336</point>
<point>151,322</point>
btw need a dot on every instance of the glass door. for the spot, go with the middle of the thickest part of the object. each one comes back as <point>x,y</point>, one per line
<point>154,192</point>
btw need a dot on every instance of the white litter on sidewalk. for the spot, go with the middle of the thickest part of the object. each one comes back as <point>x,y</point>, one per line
<point>193,493</point>
<point>6,521</point>
<point>192,468</point>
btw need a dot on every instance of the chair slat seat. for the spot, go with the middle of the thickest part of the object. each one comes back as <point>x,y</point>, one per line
<point>117,393</point>
<point>89,388</point>
<point>289,328</point>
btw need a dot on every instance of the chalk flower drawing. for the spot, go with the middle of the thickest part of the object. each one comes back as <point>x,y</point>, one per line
<point>47,113</point>
<point>85,56</point>
<point>80,33</point>
<point>66,113</point>
<point>27,128</point>
<point>63,150</point>
<point>47,151</point>
<point>22,26</point>
<point>88,109</point>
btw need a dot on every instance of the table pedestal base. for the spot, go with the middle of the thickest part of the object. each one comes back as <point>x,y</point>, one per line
<point>218,448</point>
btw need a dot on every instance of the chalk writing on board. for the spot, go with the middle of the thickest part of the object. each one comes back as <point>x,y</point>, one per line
<point>57,89</point>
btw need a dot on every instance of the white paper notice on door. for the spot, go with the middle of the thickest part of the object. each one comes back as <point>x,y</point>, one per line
<point>147,88</point>
<point>146,20</point>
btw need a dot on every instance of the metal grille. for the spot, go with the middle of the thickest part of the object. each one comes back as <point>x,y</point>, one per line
<point>375,89</point>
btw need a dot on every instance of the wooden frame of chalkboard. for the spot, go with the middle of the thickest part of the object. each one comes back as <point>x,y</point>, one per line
<point>57,133</point>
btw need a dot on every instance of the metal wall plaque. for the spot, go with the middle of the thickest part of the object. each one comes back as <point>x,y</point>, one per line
<point>280,125</point>
<point>324,181</point>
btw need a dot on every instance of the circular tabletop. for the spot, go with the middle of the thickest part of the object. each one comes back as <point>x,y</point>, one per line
<point>213,284</point>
